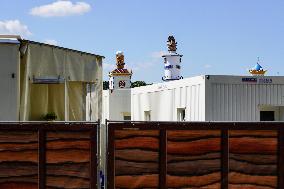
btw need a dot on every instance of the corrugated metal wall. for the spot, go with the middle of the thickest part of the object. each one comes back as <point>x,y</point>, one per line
<point>242,102</point>
<point>163,104</point>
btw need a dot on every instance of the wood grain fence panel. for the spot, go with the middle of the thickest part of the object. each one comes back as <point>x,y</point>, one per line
<point>68,159</point>
<point>253,159</point>
<point>18,159</point>
<point>194,159</point>
<point>136,159</point>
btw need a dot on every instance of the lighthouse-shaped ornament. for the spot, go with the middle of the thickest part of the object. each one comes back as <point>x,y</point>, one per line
<point>120,78</point>
<point>172,61</point>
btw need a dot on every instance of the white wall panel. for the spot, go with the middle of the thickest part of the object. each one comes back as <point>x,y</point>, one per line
<point>166,98</point>
<point>242,102</point>
<point>9,95</point>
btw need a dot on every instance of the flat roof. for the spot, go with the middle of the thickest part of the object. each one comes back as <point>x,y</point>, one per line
<point>201,79</point>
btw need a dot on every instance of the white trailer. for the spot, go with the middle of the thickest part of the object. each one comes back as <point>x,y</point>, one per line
<point>211,98</point>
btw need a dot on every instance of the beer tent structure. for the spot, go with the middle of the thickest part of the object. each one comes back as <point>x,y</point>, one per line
<point>39,80</point>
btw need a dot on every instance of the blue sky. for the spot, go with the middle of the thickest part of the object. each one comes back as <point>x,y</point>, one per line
<point>215,37</point>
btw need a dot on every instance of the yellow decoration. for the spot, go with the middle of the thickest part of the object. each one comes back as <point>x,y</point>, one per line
<point>257,72</point>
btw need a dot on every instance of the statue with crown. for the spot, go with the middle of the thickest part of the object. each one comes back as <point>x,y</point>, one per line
<point>257,70</point>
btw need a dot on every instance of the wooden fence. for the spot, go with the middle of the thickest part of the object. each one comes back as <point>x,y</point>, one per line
<point>48,155</point>
<point>195,155</point>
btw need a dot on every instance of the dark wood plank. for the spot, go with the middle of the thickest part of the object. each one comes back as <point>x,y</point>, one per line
<point>93,161</point>
<point>41,158</point>
<point>163,159</point>
<point>224,159</point>
<point>110,159</point>
<point>280,158</point>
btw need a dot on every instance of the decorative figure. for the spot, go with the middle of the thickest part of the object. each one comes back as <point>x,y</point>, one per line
<point>172,44</point>
<point>257,70</point>
<point>120,60</point>
<point>120,78</point>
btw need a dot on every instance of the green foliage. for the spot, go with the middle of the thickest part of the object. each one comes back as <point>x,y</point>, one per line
<point>105,85</point>
<point>51,116</point>
<point>133,84</point>
<point>138,84</point>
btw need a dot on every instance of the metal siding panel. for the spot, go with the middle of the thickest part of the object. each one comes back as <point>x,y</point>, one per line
<point>222,112</point>
<point>214,102</point>
<point>234,91</point>
<point>199,103</point>
<point>282,94</point>
<point>268,94</point>
<point>173,105</point>
<point>226,100</point>
<point>242,99</point>
<point>230,104</point>
<point>193,102</point>
<point>218,103</point>
<point>238,107</point>
<point>183,96</point>
<point>275,94</point>
<point>196,98</point>
<point>185,103</point>
<point>180,97</point>
<point>257,100</point>
<point>279,94</point>
<point>192,109</point>
<point>249,103</point>
<point>245,103</point>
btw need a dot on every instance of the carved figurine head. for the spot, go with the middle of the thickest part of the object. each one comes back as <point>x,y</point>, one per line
<point>172,44</point>
<point>120,60</point>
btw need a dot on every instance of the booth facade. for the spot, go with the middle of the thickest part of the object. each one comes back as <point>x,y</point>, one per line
<point>39,80</point>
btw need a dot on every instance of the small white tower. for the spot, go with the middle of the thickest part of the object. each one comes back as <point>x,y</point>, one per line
<point>172,61</point>
<point>120,78</point>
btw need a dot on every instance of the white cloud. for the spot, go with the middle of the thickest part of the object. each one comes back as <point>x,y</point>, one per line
<point>14,27</point>
<point>207,66</point>
<point>61,8</point>
<point>108,67</point>
<point>158,54</point>
<point>51,42</point>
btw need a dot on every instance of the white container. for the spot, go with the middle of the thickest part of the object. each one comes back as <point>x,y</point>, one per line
<point>210,98</point>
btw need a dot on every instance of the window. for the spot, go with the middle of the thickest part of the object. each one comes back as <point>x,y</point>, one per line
<point>147,116</point>
<point>181,114</point>
<point>178,66</point>
<point>267,116</point>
